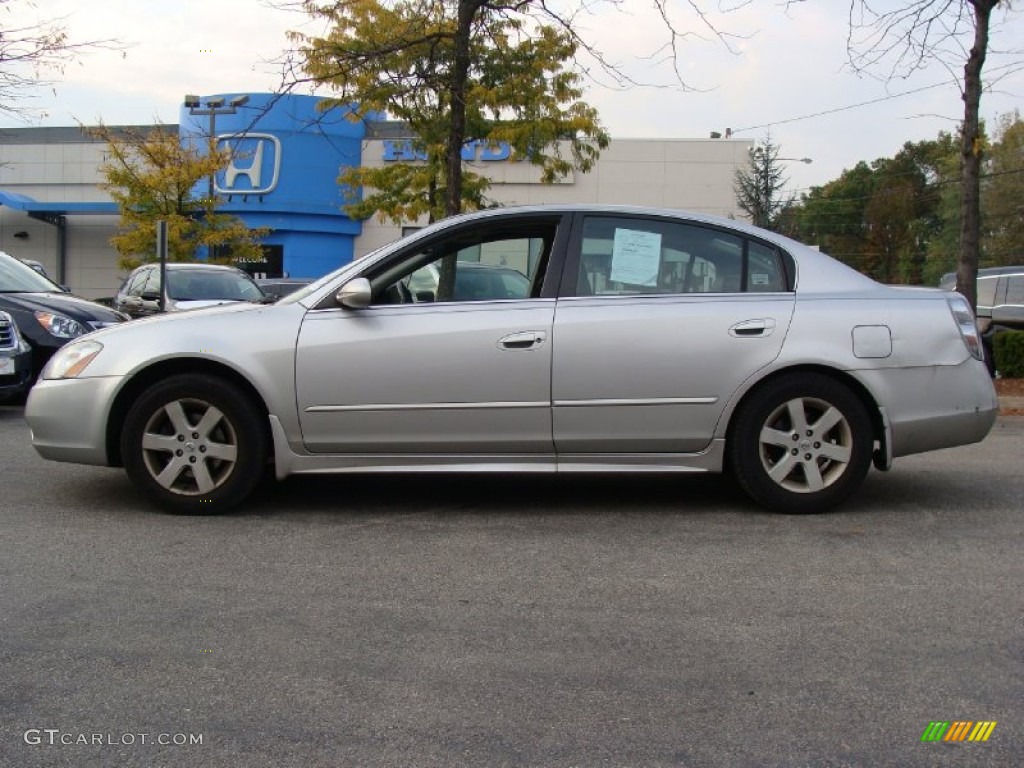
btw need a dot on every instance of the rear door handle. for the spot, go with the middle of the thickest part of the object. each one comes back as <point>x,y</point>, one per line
<point>759,327</point>
<point>523,340</point>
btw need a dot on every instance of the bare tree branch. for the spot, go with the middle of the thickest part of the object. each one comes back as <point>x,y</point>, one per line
<point>32,55</point>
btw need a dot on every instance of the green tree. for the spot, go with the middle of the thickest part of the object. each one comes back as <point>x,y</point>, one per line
<point>153,177</point>
<point>1002,203</point>
<point>453,71</point>
<point>759,187</point>
<point>1002,194</point>
<point>880,217</point>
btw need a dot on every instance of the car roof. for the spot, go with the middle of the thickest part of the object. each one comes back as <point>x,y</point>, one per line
<point>950,277</point>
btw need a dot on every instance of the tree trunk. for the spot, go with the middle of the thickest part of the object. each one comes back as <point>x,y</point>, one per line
<point>457,97</point>
<point>970,156</point>
<point>456,136</point>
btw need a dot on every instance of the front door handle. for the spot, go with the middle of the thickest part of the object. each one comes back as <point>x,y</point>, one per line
<point>760,327</point>
<point>523,340</point>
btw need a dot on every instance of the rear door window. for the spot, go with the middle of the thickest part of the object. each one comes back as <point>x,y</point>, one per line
<point>624,256</point>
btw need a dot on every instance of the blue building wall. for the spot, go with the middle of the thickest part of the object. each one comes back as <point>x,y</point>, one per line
<point>287,156</point>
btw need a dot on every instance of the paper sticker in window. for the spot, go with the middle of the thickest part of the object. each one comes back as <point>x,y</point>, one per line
<point>636,257</point>
<point>759,278</point>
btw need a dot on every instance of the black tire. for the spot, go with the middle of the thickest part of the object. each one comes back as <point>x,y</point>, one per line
<point>801,443</point>
<point>195,444</point>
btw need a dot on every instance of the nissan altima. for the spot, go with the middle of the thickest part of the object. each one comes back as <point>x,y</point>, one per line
<point>635,340</point>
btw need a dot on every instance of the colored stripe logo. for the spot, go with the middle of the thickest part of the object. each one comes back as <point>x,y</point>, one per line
<point>958,730</point>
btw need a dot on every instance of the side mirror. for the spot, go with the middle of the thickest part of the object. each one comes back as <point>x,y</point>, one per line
<point>355,294</point>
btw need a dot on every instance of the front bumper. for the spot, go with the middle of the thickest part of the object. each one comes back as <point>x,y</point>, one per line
<point>20,379</point>
<point>68,418</point>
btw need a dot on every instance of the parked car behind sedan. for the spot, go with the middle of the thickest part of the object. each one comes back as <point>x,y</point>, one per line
<point>47,315</point>
<point>1000,305</point>
<point>279,287</point>
<point>648,341</point>
<point>189,286</point>
<point>15,360</point>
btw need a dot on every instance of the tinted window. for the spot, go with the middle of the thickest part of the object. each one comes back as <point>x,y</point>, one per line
<point>152,282</point>
<point>764,269</point>
<point>986,291</point>
<point>1014,291</point>
<point>483,264</point>
<point>637,256</point>
<point>133,285</point>
<point>211,285</point>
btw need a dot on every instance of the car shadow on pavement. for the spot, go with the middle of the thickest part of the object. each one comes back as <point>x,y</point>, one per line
<point>441,494</point>
<point>102,492</point>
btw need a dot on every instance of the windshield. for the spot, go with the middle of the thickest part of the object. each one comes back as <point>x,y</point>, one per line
<point>211,285</point>
<point>16,277</point>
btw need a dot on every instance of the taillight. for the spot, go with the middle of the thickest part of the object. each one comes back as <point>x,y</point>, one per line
<point>965,322</point>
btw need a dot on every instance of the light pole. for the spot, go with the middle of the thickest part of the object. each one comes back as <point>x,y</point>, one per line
<point>213,106</point>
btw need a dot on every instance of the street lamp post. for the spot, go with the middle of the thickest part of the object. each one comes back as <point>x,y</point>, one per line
<point>213,106</point>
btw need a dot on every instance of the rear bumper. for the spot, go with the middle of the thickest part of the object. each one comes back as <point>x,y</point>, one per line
<point>935,407</point>
<point>68,418</point>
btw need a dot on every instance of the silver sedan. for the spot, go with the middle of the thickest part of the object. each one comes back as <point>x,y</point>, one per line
<point>546,339</point>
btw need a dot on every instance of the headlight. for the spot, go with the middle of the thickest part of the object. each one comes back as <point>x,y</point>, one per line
<point>965,322</point>
<point>71,360</point>
<point>61,326</point>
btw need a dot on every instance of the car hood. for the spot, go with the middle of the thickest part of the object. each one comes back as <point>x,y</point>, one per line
<point>76,308</point>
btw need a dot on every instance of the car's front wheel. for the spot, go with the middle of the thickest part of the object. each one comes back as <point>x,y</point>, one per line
<point>195,444</point>
<point>801,443</point>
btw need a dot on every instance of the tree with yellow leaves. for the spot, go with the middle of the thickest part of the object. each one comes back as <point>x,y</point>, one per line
<point>154,177</point>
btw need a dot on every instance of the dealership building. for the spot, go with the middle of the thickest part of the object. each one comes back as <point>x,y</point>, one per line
<point>287,156</point>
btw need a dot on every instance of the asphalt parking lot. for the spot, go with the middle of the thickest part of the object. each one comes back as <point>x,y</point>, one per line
<point>512,621</point>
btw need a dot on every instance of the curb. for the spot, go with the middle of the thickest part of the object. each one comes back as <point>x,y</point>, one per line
<point>1011,403</point>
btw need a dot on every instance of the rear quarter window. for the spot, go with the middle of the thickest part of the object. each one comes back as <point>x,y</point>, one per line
<point>987,291</point>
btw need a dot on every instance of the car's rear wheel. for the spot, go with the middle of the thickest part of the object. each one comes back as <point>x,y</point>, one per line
<point>195,444</point>
<point>801,443</point>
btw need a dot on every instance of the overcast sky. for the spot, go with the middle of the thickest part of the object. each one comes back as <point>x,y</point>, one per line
<point>783,71</point>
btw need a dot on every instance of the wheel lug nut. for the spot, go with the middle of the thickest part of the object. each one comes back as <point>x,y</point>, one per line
<point>810,432</point>
<point>181,438</point>
<point>179,452</point>
<point>202,449</point>
<point>195,435</point>
<point>817,445</point>
<point>807,456</point>
<point>192,459</point>
<point>795,452</point>
<point>795,437</point>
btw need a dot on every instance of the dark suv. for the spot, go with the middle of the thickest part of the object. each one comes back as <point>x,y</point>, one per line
<point>1000,302</point>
